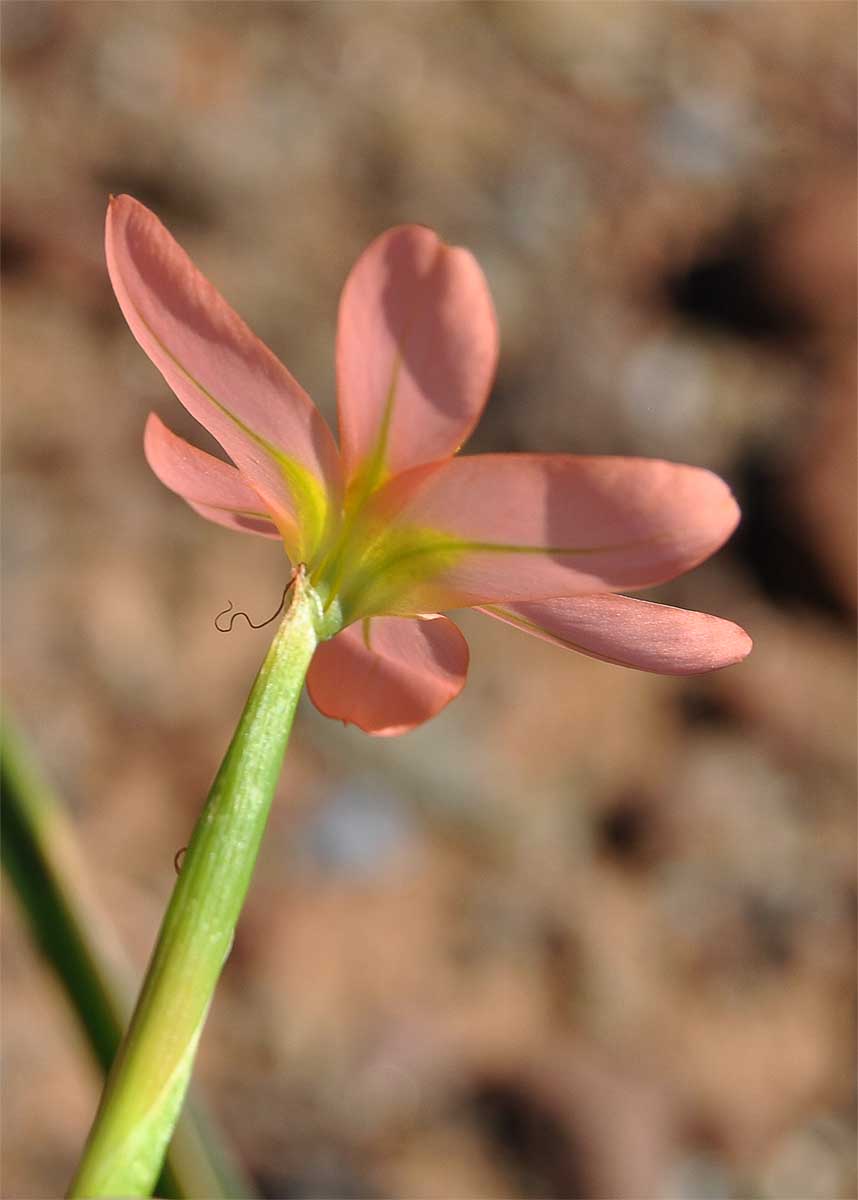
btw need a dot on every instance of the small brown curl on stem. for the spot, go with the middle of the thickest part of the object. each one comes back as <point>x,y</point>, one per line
<point>240,613</point>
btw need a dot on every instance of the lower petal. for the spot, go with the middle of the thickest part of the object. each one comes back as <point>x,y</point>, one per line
<point>388,675</point>
<point>631,633</point>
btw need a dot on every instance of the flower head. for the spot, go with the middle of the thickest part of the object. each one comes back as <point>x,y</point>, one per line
<point>393,527</point>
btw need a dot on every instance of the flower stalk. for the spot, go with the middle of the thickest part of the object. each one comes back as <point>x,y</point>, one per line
<point>45,866</point>
<point>147,1084</point>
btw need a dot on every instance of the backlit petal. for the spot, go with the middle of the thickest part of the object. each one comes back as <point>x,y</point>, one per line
<point>417,347</point>
<point>223,374</point>
<point>526,526</point>
<point>632,633</point>
<point>211,487</point>
<point>389,674</point>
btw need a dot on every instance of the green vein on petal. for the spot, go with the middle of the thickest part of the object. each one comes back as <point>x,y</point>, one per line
<point>240,512</point>
<point>401,559</point>
<point>311,503</point>
<point>374,472</point>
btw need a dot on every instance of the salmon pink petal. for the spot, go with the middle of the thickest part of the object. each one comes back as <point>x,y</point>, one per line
<point>417,347</point>
<point>632,633</point>
<point>389,674</point>
<point>211,487</point>
<point>193,474</point>
<point>222,373</point>
<point>527,526</point>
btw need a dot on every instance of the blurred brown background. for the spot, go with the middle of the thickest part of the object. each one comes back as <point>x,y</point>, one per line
<point>590,933</point>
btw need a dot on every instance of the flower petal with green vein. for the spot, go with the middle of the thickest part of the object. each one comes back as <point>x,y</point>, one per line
<point>417,347</point>
<point>224,375</point>
<point>528,526</point>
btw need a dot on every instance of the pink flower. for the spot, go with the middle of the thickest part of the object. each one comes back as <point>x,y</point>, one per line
<point>393,527</point>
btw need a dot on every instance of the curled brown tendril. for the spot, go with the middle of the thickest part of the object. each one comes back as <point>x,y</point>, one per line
<point>177,861</point>
<point>233,616</point>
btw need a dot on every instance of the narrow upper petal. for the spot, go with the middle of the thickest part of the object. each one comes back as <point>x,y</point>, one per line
<point>417,347</point>
<point>211,487</point>
<point>223,374</point>
<point>389,674</point>
<point>632,633</point>
<point>525,527</point>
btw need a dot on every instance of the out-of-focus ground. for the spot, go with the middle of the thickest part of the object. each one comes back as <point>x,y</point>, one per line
<point>590,933</point>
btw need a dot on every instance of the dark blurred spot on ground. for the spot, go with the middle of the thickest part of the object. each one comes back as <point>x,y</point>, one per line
<point>771,927</point>
<point>523,1132</point>
<point>726,290</point>
<point>628,831</point>
<point>701,708</point>
<point>773,548</point>
<point>18,255</point>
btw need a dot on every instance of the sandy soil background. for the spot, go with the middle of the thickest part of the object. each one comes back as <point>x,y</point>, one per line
<point>590,933</point>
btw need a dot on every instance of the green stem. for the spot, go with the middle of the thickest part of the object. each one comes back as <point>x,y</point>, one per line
<point>42,859</point>
<point>146,1087</point>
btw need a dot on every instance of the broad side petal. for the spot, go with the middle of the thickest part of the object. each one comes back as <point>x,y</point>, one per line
<point>632,633</point>
<point>211,487</point>
<point>389,674</point>
<point>417,348</point>
<point>223,374</point>
<point>525,527</point>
